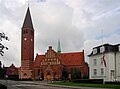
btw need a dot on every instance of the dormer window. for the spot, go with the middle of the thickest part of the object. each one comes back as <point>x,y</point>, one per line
<point>119,47</point>
<point>102,49</point>
<point>94,51</point>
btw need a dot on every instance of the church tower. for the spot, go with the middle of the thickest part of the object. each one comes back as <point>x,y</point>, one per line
<point>27,47</point>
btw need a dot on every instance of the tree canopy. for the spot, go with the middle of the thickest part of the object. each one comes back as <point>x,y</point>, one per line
<point>3,36</point>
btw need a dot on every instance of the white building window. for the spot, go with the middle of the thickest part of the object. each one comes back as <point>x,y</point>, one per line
<point>119,47</point>
<point>94,62</point>
<point>95,71</point>
<point>102,71</point>
<point>112,72</point>
<point>94,51</point>
<point>102,49</point>
<point>101,61</point>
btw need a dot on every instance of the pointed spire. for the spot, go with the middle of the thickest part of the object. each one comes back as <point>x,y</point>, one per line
<point>59,48</point>
<point>28,21</point>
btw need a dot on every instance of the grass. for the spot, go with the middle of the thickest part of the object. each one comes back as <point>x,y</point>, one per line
<point>113,86</point>
<point>3,86</point>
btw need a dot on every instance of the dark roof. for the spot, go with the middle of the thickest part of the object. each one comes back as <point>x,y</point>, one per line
<point>108,48</point>
<point>28,21</point>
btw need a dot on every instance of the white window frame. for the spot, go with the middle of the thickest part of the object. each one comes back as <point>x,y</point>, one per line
<point>94,71</point>
<point>119,47</point>
<point>101,61</point>
<point>94,50</point>
<point>94,62</point>
<point>112,72</point>
<point>102,49</point>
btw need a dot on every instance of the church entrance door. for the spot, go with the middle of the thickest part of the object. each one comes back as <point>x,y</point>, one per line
<point>48,76</point>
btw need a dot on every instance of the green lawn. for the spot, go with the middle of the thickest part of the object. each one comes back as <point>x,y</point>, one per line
<point>3,86</point>
<point>113,86</point>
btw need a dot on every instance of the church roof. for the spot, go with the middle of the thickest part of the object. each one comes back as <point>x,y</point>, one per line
<point>75,58</point>
<point>28,20</point>
<point>68,59</point>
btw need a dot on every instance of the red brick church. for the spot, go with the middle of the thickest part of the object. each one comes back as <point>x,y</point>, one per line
<point>49,65</point>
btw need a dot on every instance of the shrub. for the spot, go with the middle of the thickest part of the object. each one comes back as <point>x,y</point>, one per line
<point>92,81</point>
<point>114,82</point>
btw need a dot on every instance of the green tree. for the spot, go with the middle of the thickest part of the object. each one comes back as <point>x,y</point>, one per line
<point>2,71</point>
<point>2,47</point>
<point>3,36</point>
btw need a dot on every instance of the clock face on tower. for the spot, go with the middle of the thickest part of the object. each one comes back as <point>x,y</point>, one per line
<point>25,39</point>
<point>31,39</point>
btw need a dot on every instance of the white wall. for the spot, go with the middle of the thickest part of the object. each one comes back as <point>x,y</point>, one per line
<point>118,66</point>
<point>98,66</point>
<point>110,60</point>
<point>109,57</point>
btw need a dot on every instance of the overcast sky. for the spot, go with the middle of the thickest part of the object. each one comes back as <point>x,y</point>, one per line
<point>76,23</point>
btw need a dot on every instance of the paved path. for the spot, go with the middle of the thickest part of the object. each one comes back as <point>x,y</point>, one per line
<point>37,85</point>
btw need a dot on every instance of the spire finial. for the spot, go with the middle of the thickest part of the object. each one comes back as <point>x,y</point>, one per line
<point>28,3</point>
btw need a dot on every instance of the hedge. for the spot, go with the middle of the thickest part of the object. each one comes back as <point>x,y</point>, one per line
<point>92,81</point>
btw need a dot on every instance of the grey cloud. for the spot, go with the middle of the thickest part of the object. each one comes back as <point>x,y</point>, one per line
<point>71,22</point>
<point>59,27</point>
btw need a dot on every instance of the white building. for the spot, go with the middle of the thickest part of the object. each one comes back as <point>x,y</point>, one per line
<point>96,64</point>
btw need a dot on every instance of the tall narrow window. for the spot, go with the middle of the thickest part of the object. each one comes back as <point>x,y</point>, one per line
<point>112,73</point>
<point>95,71</point>
<point>94,62</point>
<point>102,71</point>
<point>101,61</point>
